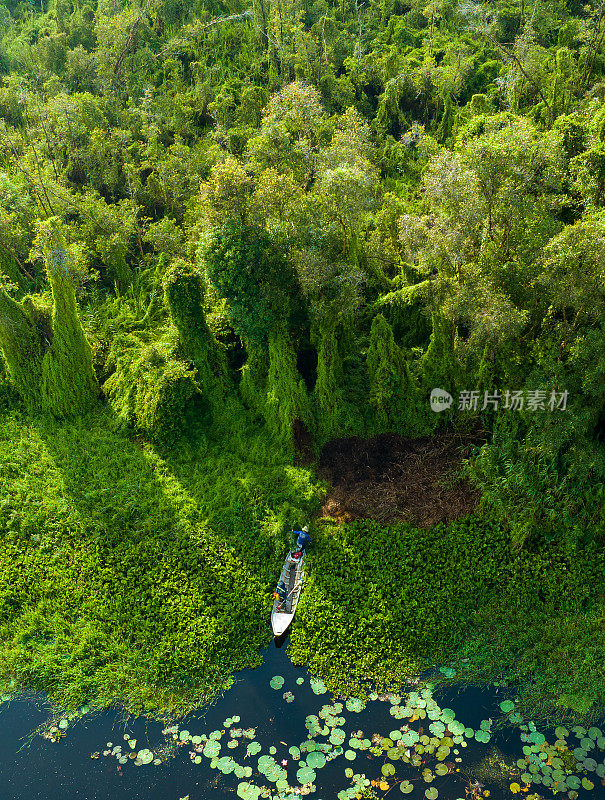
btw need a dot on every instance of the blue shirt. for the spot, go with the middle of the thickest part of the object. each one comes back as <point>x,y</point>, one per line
<point>303,538</point>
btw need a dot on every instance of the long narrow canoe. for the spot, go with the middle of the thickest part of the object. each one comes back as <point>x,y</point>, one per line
<point>292,575</point>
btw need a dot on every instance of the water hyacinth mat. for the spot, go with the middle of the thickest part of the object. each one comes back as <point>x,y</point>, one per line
<point>406,744</point>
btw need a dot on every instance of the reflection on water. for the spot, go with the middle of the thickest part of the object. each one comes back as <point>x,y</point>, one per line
<point>278,734</point>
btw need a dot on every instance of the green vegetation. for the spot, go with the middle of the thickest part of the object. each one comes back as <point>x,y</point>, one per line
<point>231,230</point>
<point>382,603</point>
<point>131,577</point>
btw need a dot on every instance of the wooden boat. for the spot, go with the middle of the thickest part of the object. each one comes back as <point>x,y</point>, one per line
<point>292,575</point>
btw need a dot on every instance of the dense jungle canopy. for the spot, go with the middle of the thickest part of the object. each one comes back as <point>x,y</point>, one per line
<point>231,234</point>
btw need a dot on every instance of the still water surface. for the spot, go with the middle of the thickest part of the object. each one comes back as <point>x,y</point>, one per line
<point>38,769</point>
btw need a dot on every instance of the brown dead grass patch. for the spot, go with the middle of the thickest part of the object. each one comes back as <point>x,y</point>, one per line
<point>393,479</point>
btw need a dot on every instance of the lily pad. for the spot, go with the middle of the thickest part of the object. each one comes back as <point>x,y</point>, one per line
<point>337,736</point>
<point>405,787</point>
<point>305,775</point>
<point>507,705</point>
<point>226,765</point>
<point>248,791</point>
<point>145,756</point>
<point>212,748</point>
<point>316,760</point>
<point>318,686</point>
<point>276,682</point>
<point>355,704</point>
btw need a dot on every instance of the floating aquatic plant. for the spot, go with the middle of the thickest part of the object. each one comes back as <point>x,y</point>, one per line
<point>276,682</point>
<point>248,791</point>
<point>316,760</point>
<point>253,748</point>
<point>212,748</point>
<point>305,775</point>
<point>429,749</point>
<point>144,757</point>
<point>318,686</point>
<point>337,736</point>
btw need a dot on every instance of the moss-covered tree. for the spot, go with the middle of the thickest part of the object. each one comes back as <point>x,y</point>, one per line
<point>69,386</point>
<point>287,399</point>
<point>22,348</point>
<point>183,290</point>
<point>47,354</point>
<point>329,387</point>
<point>392,391</point>
<point>152,390</point>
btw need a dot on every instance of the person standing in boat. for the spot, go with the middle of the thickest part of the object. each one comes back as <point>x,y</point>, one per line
<point>303,541</point>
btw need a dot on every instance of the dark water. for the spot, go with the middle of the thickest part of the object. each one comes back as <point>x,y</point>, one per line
<point>39,769</point>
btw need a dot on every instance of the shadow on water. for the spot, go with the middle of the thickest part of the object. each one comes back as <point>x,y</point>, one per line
<point>279,641</point>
